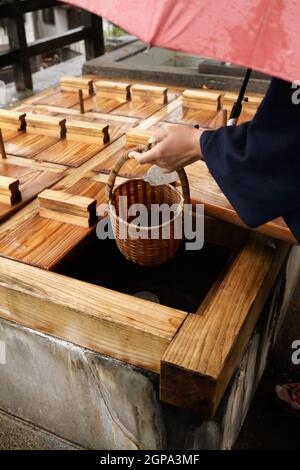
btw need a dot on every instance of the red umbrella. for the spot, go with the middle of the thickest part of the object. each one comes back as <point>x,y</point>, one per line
<point>261,34</point>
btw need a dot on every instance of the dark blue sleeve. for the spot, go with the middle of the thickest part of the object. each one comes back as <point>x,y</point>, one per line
<point>257,164</point>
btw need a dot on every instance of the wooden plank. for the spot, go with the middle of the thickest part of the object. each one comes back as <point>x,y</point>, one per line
<point>58,98</point>
<point>111,323</point>
<point>92,131</point>
<point>73,84</point>
<point>65,207</point>
<point>200,361</point>
<point>204,190</point>
<point>143,108</point>
<point>109,89</point>
<point>201,99</point>
<point>135,137</point>
<point>12,120</point>
<point>204,118</point>
<point>117,124</point>
<point>138,108</point>
<point>109,96</point>
<point>29,145</point>
<point>45,242</point>
<point>69,152</point>
<point>32,180</point>
<point>46,125</point>
<point>156,94</point>
<point>9,190</point>
<point>97,104</point>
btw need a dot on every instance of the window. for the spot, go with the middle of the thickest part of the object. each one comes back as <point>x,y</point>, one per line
<point>48,16</point>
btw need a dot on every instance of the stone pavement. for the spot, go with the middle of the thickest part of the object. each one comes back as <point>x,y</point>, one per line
<point>15,434</point>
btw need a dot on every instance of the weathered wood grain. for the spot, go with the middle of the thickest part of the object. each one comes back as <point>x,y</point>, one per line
<point>9,190</point>
<point>92,131</point>
<point>65,207</point>
<point>28,145</point>
<point>157,94</point>
<point>12,120</point>
<point>109,89</point>
<point>43,242</point>
<point>59,98</point>
<point>115,324</point>
<point>68,152</point>
<point>109,95</point>
<point>137,108</point>
<point>206,118</point>
<point>32,180</point>
<point>136,137</point>
<point>201,99</point>
<point>46,125</point>
<point>117,124</point>
<point>8,134</point>
<point>200,361</point>
<point>73,84</point>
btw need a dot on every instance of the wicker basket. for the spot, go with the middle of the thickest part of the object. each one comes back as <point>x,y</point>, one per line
<point>146,245</point>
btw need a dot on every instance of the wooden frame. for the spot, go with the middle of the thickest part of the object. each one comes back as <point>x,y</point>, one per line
<point>194,373</point>
<point>199,362</point>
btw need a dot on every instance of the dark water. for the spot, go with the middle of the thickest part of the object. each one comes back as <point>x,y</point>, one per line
<point>181,283</point>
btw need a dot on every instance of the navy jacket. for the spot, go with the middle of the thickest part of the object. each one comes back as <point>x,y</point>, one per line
<point>257,164</point>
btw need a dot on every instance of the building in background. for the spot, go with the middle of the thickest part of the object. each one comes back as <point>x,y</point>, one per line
<point>50,22</point>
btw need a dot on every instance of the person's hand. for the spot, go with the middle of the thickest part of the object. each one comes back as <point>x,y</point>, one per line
<point>174,147</point>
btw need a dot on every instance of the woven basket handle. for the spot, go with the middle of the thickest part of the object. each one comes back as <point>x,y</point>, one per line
<point>120,162</point>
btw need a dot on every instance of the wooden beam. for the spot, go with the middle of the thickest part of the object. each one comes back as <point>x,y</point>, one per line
<point>46,125</point>
<point>201,99</point>
<point>86,131</point>
<point>118,90</point>
<point>202,358</point>
<point>156,94</point>
<point>65,207</point>
<point>121,326</point>
<point>73,84</point>
<point>94,42</point>
<point>9,190</point>
<point>12,120</point>
<point>135,137</point>
<point>39,46</point>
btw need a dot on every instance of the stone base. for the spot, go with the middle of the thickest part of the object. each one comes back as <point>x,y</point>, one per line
<point>119,64</point>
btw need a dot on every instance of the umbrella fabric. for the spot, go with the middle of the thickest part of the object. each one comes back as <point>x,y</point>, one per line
<point>261,34</point>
